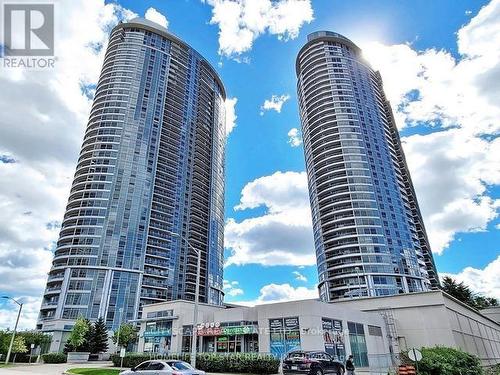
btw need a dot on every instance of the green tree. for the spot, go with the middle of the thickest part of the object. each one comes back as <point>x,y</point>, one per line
<point>39,339</point>
<point>4,341</point>
<point>99,338</point>
<point>463,293</point>
<point>482,302</point>
<point>18,347</point>
<point>458,290</point>
<point>127,335</point>
<point>78,338</point>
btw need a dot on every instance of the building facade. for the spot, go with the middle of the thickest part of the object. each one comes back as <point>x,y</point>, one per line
<point>435,318</point>
<point>275,328</point>
<point>149,177</point>
<point>373,329</point>
<point>369,234</point>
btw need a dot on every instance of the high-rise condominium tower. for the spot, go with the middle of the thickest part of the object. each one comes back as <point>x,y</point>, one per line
<point>369,235</point>
<point>151,167</point>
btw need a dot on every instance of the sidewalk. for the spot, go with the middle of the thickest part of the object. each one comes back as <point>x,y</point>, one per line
<point>47,369</point>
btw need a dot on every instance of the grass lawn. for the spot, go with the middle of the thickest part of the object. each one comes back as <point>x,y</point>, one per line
<point>94,371</point>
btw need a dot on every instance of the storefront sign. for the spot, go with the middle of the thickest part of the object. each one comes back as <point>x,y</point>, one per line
<point>334,338</point>
<point>225,331</point>
<point>158,333</point>
<point>284,335</point>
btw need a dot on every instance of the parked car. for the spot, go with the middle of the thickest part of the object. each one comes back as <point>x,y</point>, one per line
<point>311,362</point>
<point>163,367</point>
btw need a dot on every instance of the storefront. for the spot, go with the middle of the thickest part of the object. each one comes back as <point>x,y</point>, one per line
<point>284,335</point>
<point>273,329</point>
<point>229,337</point>
<point>157,337</point>
<point>334,338</point>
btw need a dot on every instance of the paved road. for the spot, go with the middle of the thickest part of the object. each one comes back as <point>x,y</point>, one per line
<point>55,369</point>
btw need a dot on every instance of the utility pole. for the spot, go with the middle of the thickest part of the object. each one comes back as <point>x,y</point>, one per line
<point>15,327</point>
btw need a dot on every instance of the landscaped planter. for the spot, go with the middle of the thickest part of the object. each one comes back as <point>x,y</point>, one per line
<point>104,356</point>
<point>77,357</point>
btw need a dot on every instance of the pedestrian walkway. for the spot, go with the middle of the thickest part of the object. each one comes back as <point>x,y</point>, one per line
<point>47,369</point>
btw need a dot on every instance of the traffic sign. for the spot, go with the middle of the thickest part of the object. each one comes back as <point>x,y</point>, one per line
<point>415,355</point>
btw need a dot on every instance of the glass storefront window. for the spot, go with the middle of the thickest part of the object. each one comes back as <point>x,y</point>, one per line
<point>157,337</point>
<point>358,344</point>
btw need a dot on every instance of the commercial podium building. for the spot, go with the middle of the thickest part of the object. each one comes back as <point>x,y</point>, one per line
<point>374,330</point>
<point>274,328</point>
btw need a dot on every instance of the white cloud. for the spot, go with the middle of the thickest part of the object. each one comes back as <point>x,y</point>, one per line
<point>283,234</point>
<point>231,288</point>
<point>29,312</point>
<point>451,172</point>
<point>230,105</point>
<point>153,15</point>
<point>43,118</point>
<point>294,138</point>
<point>453,168</point>
<point>281,293</point>
<point>485,281</point>
<point>449,91</point>
<point>299,276</point>
<point>242,21</point>
<point>275,103</point>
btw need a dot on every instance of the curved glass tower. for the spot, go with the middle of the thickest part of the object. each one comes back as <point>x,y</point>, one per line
<point>369,235</point>
<point>151,165</point>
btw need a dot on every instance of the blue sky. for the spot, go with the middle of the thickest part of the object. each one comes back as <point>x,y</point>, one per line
<point>439,61</point>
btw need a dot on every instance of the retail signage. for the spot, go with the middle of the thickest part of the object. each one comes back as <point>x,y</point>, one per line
<point>284,335</point>
<point>334,338</point>
<point>203,330</point>
<point>158,333</point>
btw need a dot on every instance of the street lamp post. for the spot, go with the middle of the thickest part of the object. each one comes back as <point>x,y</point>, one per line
<point>196,297</point>
<point>15,327</point>
<point>120,313</point>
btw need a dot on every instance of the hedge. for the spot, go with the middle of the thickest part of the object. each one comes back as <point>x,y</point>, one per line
<point>441,360</point>
<point>22,358</point>
<point>248,363</point>
<point>54,358</point>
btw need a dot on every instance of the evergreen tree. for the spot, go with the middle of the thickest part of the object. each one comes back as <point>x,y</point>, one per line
<point>99,338</point>
<point>464,294</point>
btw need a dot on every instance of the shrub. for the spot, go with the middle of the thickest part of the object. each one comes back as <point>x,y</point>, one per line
<point>248,363</point>
<point>23,358</point>
<point>54,358</point>
<point>441,360</point>
<point>493,370</point>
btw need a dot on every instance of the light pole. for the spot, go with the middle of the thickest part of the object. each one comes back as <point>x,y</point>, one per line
<point>15,327</point>
<point>196,297</point>
<point>120,313</point>
<point>359,282</point>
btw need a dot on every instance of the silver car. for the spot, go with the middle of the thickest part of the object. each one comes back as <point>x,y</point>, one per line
<point>163,367</point>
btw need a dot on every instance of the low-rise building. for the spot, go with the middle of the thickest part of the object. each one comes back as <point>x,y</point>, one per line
<point>434,318</point>
<point>275,328</point>
<point>373,329</point>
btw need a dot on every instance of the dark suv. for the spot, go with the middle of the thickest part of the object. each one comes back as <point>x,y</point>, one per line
<point>311,362</point>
